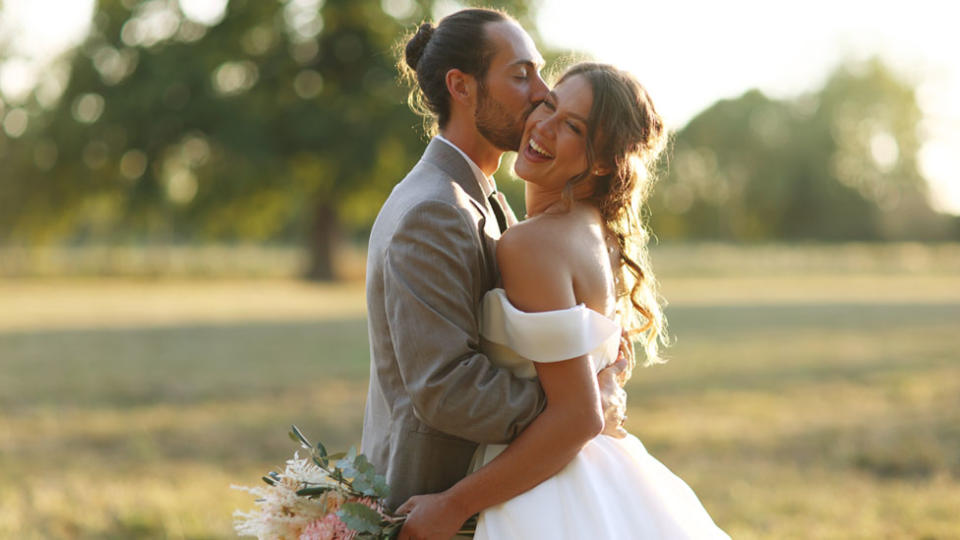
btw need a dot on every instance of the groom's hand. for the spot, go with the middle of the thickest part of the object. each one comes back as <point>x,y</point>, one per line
<point>612,396</point>
<point>430,517</point>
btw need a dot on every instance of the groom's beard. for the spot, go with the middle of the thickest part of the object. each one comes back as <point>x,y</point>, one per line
<point>496,125</point>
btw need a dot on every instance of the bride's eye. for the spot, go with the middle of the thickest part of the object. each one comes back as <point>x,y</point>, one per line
<point>574,128</point>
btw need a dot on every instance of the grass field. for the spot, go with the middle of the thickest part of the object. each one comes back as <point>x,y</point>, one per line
<point>824,405</point>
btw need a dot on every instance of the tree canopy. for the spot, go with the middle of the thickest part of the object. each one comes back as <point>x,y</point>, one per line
<point>833,165</point>
<point>284,122</point>
<point>281,122</point>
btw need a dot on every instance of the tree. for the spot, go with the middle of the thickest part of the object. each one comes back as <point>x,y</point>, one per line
<point>281,121</point>
<point>838,164</point>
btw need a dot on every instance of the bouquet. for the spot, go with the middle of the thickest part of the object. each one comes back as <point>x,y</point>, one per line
<point>322,497</point>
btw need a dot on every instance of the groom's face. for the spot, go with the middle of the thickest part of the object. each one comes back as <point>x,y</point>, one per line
<point>512,86</point>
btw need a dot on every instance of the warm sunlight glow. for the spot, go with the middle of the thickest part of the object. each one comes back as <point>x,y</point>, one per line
<point>691,53</point>
<point>208,12</point>
<point>688,53</point>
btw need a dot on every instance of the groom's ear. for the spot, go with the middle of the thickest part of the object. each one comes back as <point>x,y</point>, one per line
<point>462,87</point>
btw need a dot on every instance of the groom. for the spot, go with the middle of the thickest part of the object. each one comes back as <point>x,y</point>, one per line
<point>433,395</point>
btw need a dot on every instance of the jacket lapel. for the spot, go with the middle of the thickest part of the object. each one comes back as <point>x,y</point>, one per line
<point>448,160</point>
<point>452,163</point>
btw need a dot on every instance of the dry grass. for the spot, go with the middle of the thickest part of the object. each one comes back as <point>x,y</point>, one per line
<point>797,406</point>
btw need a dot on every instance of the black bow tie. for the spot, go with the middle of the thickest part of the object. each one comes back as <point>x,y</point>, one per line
<point>498,211</point>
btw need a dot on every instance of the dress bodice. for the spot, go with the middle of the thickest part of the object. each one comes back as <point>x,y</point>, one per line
<point>629,494</point>
<point>515,339</point>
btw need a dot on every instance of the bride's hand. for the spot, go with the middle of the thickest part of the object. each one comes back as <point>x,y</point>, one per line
<point>430,517</point>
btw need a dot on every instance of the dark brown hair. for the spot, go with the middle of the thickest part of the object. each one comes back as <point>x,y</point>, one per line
<point>625,134</point>
<point>458,41</point>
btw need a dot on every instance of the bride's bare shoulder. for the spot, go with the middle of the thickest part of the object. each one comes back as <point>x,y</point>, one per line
<point>532,267</point>
<point>538,258</point>
<point>541,234</point>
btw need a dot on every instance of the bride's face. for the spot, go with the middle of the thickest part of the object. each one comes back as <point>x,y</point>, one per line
<point>553,147</point>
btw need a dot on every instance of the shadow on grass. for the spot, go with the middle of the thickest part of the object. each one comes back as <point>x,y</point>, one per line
<point>131,367</point>
<point>736,347</point>
<point>773,348</point>
<point>708,321</point>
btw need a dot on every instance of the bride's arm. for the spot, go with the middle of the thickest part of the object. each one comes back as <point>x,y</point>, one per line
<point>573,415</point>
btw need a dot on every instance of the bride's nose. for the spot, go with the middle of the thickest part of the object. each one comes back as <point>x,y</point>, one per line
<point>544,124</point>
<point>547,126</point>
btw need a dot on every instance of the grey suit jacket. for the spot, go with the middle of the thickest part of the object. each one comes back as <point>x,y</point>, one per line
<point>434,396</point>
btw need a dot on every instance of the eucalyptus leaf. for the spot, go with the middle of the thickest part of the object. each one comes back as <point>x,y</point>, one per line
<point>298,436</point>
<point>348,463</point>
<point>314,491</point>
<point>380,487</point>
<point>362,464</point>
<point>364,485</point>
<point>346,467</point>
<point>360,517</point>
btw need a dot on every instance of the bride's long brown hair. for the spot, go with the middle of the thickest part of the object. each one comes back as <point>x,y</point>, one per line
<point>625,135</point>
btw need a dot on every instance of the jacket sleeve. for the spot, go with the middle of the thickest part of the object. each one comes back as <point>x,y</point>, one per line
<point>433,271</point>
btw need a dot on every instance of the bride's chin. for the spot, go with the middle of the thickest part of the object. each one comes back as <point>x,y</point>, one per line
<point>521,170</point>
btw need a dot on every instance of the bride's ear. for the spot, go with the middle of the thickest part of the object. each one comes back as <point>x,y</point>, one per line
<point>462,87</point>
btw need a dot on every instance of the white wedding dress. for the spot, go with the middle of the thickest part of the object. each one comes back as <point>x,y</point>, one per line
<point>613,489</point>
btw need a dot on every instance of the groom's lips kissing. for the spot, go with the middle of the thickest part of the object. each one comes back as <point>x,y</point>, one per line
<point>535,152</point>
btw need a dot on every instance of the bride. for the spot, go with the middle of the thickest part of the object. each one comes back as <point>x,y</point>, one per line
<point>574,274</point>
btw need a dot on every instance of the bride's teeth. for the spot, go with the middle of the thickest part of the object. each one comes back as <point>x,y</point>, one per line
<point>539,149</point>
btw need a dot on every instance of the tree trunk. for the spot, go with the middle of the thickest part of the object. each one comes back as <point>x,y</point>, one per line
<point>322,242</point>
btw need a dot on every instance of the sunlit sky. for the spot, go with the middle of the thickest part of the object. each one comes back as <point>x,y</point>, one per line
<point>688,53</point>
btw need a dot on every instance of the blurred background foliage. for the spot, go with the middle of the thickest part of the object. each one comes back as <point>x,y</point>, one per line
<point>839,164</point>
<point>283,124</point>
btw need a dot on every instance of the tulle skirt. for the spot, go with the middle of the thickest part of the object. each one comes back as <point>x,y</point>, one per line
<point>613,489</point>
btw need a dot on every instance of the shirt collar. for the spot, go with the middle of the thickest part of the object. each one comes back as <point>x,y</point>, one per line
<point>487,184</point>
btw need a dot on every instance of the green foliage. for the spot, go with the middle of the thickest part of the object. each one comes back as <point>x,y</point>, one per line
<point>281,122</point>
<point>838,164</point>
<point>314,491</point>
<point>360,517</point>
<point>351,468</point>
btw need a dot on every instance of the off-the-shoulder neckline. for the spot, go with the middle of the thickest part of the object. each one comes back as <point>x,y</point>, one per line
<point>581,306</point>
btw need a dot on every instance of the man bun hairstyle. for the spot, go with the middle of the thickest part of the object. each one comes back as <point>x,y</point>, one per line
<point>458,41</point>
<point>415,46</point>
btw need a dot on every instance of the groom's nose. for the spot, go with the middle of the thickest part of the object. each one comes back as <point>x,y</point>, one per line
<point>538,89</point>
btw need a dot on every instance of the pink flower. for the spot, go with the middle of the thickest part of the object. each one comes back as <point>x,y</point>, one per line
<point>328,528</point>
